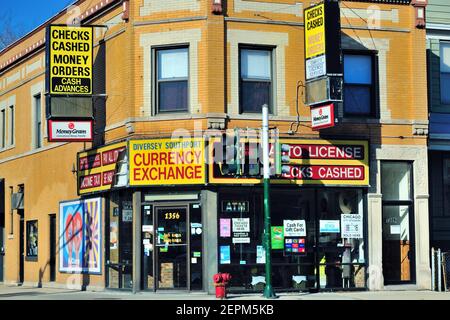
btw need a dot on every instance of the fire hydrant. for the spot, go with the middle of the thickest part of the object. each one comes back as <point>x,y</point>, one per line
<point>221,281</point>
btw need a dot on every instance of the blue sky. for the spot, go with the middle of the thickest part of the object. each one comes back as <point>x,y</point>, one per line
<point>25,15</point>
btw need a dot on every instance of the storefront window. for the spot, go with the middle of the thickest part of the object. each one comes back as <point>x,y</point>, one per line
<point>317,239</point>
<point>32,239</point>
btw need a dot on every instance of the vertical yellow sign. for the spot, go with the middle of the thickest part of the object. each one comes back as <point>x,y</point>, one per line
<point>315,31</point>
<point>70,60</point>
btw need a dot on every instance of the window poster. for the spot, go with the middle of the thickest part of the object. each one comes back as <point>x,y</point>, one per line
<point>113,235</point>
<point>241,224</point>
<point>225,255</point>
<point>260,254</point>
<point>294,228</point>
<point>329,226</point>
<point>277,237</point>
<point>225,228</point>
<point>241,229</point>
<point>127,211</point>
<point>80,233</point>
<point>32,238</point>
<point>352,227</point>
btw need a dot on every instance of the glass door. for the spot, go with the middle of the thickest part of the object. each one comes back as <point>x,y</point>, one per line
<point>172,247</point>
<point>398,222</point>
<point>119,262</point>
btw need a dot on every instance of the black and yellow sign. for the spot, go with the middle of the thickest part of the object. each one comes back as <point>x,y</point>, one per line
<point>70,60</point>
<point>315,31</point>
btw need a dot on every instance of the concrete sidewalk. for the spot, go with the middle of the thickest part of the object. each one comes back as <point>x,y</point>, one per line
<point>32,293</point>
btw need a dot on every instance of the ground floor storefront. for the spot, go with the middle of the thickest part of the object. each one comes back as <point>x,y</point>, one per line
<point>359,229</point>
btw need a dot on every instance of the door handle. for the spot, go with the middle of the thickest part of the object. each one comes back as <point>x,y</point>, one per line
<point>2,251</point>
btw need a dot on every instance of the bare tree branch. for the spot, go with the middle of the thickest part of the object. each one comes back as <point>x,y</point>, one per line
<point>8,34</point>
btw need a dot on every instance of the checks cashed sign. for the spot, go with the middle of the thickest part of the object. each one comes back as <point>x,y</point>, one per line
<point>315,41</point>
<point>70,60</point>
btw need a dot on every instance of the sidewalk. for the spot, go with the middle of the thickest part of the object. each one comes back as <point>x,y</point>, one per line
<point>31,293</point>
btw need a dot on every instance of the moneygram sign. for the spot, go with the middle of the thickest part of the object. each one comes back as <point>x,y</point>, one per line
<point>70,51</point>
<point>69,130</point>
<point>167,162</point>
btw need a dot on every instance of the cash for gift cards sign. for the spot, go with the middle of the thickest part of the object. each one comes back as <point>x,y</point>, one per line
<point>167,162</point>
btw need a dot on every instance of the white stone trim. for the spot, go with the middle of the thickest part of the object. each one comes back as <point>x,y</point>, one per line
<point>149,40</point>
<point>33,66</point>
<point>5,105</point>
<point>34,90</point>
<point>418,155</point>
<point>244,5</point>
<point>351,42</point>
<point>373,12</point>
<point>278,39</point>
<point>154,6</point>
<point>13,78</point>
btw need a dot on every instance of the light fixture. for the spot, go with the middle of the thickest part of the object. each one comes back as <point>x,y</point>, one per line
<point>419,7</point>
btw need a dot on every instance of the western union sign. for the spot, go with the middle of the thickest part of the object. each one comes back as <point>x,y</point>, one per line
<point>69,57</point>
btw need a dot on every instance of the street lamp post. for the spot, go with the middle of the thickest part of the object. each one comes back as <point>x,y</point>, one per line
<point>268,289</point>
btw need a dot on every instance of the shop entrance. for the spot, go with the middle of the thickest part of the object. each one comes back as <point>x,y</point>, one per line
<point>398,222</point>
<point>171,247</point>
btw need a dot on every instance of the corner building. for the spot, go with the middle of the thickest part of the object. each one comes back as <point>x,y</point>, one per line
<point>138,210</point>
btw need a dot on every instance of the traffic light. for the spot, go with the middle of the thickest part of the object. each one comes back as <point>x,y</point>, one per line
<point>227,154</point>
<point>284,159</point>
<point>252,160</point>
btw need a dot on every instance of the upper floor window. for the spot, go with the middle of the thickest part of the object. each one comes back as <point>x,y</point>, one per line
<point>445,72</point>
<point>172,74</point>
<point>11,125</point>
<point>37,121</point>
<point>255,79</point>
<point>3,128</point>
<point>359,85</point>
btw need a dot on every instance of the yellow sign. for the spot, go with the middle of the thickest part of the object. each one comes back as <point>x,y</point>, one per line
<point>167,162</point>
<point>70,60</point>
<point>314,162</point>
<point>97,167</point>
<point>315,31</point>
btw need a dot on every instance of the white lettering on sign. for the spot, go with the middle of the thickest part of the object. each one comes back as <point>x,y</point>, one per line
<point>294,228</point>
